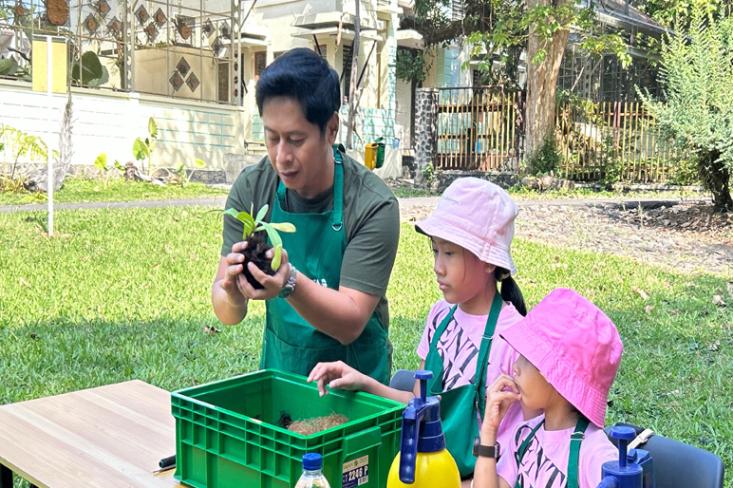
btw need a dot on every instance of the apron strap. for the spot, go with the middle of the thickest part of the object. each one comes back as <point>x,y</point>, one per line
<point>573,458</point>
<point>519,455</point>
<point>337,215</point>
<point>575,439</point>
<point>482,363</point>
<point>437,377</point>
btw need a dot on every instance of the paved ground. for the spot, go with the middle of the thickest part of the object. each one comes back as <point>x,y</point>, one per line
<point>684,236</point>
<point>681,235</point>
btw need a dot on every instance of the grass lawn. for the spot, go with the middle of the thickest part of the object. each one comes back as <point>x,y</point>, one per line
<point>123,294</point>
<point>78,189</point>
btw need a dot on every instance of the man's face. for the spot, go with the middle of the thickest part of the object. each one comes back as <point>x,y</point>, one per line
<point>299,152</point>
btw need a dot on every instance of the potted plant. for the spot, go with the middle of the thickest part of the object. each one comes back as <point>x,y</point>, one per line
<point>255,232</point>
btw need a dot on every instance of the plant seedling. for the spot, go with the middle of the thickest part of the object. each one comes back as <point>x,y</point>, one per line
<point>255,231</point>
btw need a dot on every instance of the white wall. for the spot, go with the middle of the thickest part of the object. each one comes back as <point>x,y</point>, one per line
<point>404,113</point>
<point>109,122</point>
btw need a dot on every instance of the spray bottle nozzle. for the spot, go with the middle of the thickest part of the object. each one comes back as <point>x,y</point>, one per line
<point>621,473</point>
<point>421,429</point>
<point>423,376</point>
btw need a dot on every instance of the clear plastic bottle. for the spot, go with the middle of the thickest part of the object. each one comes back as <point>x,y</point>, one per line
<point>312,476</point>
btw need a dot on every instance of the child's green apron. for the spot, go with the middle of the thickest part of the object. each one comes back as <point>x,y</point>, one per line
<point>461,407</point>
<point>575,439</point>
<point>316,249</point>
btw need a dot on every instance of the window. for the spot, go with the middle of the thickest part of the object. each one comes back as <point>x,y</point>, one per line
<point>260,63</point>
<point>346,70</point>
<point>223,82</point>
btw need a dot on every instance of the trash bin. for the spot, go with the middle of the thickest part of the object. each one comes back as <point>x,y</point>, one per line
<point>370,155</point>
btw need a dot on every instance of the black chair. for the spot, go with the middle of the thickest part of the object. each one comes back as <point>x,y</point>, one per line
<point>403,379</point>
<point>680,465</point>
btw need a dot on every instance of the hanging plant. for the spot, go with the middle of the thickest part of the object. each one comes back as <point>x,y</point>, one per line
<point>57,11</point>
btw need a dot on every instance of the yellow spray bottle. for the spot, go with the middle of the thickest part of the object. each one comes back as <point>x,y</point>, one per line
<point>423,460</point>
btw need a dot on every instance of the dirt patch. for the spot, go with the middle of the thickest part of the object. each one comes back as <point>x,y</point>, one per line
<point>684,236</point>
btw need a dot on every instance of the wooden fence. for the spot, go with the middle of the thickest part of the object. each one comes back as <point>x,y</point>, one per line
<point>612,139</point>
<point>482,128</point>
<point>479,129</point>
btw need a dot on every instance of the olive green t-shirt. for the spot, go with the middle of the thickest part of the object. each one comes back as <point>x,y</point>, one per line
<point>371,221</point>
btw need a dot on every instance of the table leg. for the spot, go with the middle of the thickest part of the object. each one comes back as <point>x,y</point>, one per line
<point>6,477</point>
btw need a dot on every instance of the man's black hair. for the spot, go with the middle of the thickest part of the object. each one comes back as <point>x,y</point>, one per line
<point>302,74</point>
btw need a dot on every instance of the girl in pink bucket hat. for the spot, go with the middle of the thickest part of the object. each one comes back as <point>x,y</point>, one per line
<point>569,354</point>
<point>470,232</point>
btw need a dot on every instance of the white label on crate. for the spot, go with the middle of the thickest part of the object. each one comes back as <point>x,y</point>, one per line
<point>356,472</point>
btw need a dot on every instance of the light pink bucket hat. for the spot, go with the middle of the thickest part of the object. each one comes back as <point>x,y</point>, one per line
<point>477,215</point>
<point>575,346</point>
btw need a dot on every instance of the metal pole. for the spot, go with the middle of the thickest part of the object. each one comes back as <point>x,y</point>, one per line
<point>49,157</point>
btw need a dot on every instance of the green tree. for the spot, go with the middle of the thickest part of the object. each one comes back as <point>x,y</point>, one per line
<point>505,29</point>
<point>697,71</point>
<point>679,13</point>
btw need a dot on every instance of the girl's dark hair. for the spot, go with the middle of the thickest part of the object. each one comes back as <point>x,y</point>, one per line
<point>303,75</point>
<point>510,291</point>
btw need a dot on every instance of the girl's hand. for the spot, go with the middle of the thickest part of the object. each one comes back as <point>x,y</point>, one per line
<point>500,396</point>
<point>337,375</point>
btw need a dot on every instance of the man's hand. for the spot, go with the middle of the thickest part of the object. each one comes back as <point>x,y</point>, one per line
<point>272,284</point>
<point>232,280</point>
<point>337,375</point>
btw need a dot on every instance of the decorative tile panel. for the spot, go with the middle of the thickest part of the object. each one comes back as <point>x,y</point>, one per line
<point>176,81</point>
<point>193,82</point>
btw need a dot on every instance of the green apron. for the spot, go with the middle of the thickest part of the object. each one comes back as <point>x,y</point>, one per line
<point>461,407</point>
<point>317,248</point>
<point>575,439</point>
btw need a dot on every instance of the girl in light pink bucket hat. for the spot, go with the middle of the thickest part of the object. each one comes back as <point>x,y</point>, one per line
<point>569,354</point>
<point>470,232</point>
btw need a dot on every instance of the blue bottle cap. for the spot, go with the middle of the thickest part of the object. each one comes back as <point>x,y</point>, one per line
<point>312,461</point>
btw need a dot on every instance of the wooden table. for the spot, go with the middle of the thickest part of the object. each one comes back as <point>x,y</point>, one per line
<point>109,436</point>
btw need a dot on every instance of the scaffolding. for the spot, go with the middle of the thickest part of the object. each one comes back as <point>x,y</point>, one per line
<point>188,49</point>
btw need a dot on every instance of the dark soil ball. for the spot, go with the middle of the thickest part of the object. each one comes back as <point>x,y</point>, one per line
<point>257,248</point>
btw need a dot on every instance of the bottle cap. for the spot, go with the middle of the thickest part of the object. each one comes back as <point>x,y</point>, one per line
<point>312,461</point>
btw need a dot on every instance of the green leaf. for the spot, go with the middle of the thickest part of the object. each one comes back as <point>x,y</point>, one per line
<point>283,226</point>
<point>262,212</point>
<point>248,223</point>
<point>140,150</point>
<point>276,257</point>
<point>88,70</point>
<point>152,128</point>
<point>8,66</point>
<point>101,162</point>
<point>97,82</point>
<point>275,238</point>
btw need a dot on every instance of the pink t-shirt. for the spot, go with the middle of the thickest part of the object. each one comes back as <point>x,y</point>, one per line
<point>459,348</point>
<point>545,463</point>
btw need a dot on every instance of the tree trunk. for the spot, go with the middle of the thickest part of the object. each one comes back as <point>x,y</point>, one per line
<point>542,82</point>
<point>354,75</point>
<point>715,177</point>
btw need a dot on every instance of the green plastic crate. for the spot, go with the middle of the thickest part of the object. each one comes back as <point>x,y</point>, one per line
<point>227,433</point>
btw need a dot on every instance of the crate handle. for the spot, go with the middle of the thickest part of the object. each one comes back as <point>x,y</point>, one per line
<point>361,441</point>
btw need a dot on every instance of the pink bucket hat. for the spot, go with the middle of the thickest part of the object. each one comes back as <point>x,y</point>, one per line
<point>477,215</point>
<point>575,346</point>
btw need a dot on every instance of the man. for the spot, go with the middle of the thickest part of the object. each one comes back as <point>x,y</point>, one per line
<point>326,302</point>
